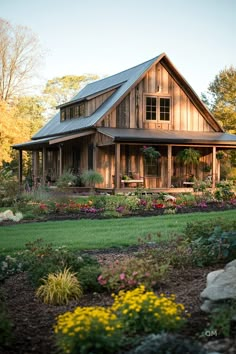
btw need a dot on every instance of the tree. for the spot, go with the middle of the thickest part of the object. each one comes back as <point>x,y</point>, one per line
<point>20,54</point>
<point>221,98</point>
<point>62,89</point>
<point>18,122</point>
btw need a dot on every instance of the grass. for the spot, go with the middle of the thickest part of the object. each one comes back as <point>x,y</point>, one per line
<point>92,234</point>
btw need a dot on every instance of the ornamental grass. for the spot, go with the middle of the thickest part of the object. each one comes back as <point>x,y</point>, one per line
<point>59,288</point>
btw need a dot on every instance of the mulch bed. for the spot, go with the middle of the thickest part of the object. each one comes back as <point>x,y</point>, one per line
<point>33,321</point>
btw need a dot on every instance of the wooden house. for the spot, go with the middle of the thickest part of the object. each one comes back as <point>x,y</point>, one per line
<point>107,124</point>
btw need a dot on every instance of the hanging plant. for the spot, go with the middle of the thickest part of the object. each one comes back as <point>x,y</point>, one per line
<point>189,157</point>
<point>220,155</point>
<point>150,153</point>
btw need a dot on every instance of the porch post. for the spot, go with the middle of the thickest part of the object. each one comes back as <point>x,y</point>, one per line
<point>20,167</point>
<point>44,166</point>
<point>95,157</point>
<point>117,165</point>
<point>169,165</point>
<point>213,167</point>
<point>35,166</point>
<point>60,159</point>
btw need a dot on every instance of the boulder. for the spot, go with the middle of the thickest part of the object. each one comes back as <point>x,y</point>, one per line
<point>221,287</point>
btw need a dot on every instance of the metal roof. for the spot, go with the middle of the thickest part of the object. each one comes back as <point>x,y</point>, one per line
<point>33,144</point>
<point>168,136</point>
<point>126,78</point>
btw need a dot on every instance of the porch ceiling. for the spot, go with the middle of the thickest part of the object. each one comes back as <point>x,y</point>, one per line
<point>169,137</point>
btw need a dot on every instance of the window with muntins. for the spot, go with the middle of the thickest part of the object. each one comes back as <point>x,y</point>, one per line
<point>158,108</point>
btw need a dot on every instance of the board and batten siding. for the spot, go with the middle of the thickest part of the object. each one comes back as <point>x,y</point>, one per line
<point>130,113</point>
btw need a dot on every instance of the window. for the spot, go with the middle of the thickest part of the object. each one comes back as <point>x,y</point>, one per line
<point>152,168</point>
<point>74,111</point>
<point>164,109</point>
<point>157,108</point>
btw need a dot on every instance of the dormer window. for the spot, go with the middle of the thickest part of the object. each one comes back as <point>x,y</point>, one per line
<point>158,108</point>
<point>75,111</point>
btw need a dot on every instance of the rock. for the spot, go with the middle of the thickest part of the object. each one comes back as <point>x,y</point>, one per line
<point>221,286</point>
<point>168,197</point>
<point>212,276</point>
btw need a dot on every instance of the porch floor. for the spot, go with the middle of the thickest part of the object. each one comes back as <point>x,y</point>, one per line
<point>127,190</point>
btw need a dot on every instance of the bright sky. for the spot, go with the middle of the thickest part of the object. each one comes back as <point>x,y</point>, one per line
<point>105,37</point>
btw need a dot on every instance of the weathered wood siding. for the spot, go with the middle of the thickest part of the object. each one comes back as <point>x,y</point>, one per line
<point>130,113</point>
<point>93,104</point>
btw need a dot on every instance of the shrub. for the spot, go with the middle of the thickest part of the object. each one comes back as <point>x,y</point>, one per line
<point>224,191</point>
<point>67,179</point>
<point>88,330</point>
<point>59,288</point>
<point>9,187</point>
<point>8,266</point>
<point>221,317</point>
<point>166,343</point>
<point>91,178</point>
<point>142,311</point>
<point>195,230</point>
<point>40,259</point>
<point>88,275</point>
<point>212,241</point>
<point>131,272</point>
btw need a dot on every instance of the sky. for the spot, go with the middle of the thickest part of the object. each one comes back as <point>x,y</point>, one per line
<point>105,37</point>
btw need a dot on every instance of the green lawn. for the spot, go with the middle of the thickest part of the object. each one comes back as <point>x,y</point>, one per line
<point>91,234</point>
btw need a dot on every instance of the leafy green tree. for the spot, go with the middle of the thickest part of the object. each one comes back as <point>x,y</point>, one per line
<point>221,98</point>
<point>62,89</point>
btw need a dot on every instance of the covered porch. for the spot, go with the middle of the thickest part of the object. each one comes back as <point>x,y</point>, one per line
<point>117,154</point>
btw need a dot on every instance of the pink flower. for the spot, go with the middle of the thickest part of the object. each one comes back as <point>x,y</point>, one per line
<point>101,280</point>
<point>134,273</point>
<point>122,276</point>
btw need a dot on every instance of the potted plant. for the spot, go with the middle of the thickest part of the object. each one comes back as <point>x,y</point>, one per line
<point>189,157</point>
<point>91,178</point>
<point>150,153</point>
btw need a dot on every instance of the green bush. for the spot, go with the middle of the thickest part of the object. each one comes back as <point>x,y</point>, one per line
<point>88,275</point>
<point>59,288</point>
<point>67,179</point>
<point>9,188</point>
<point>166,343</point>
<point>195,230</point>
<point>9,266</point>
<point>40,259</point>
<point>224,191</point>
<point>221,318</point>
<point>212,241</point>
<point>91,178</point>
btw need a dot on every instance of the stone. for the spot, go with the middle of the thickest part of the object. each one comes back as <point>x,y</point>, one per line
<point>213,275</point>
<point>221,285</point>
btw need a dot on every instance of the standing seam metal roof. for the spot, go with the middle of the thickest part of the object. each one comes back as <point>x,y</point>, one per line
<point>126,78</point>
